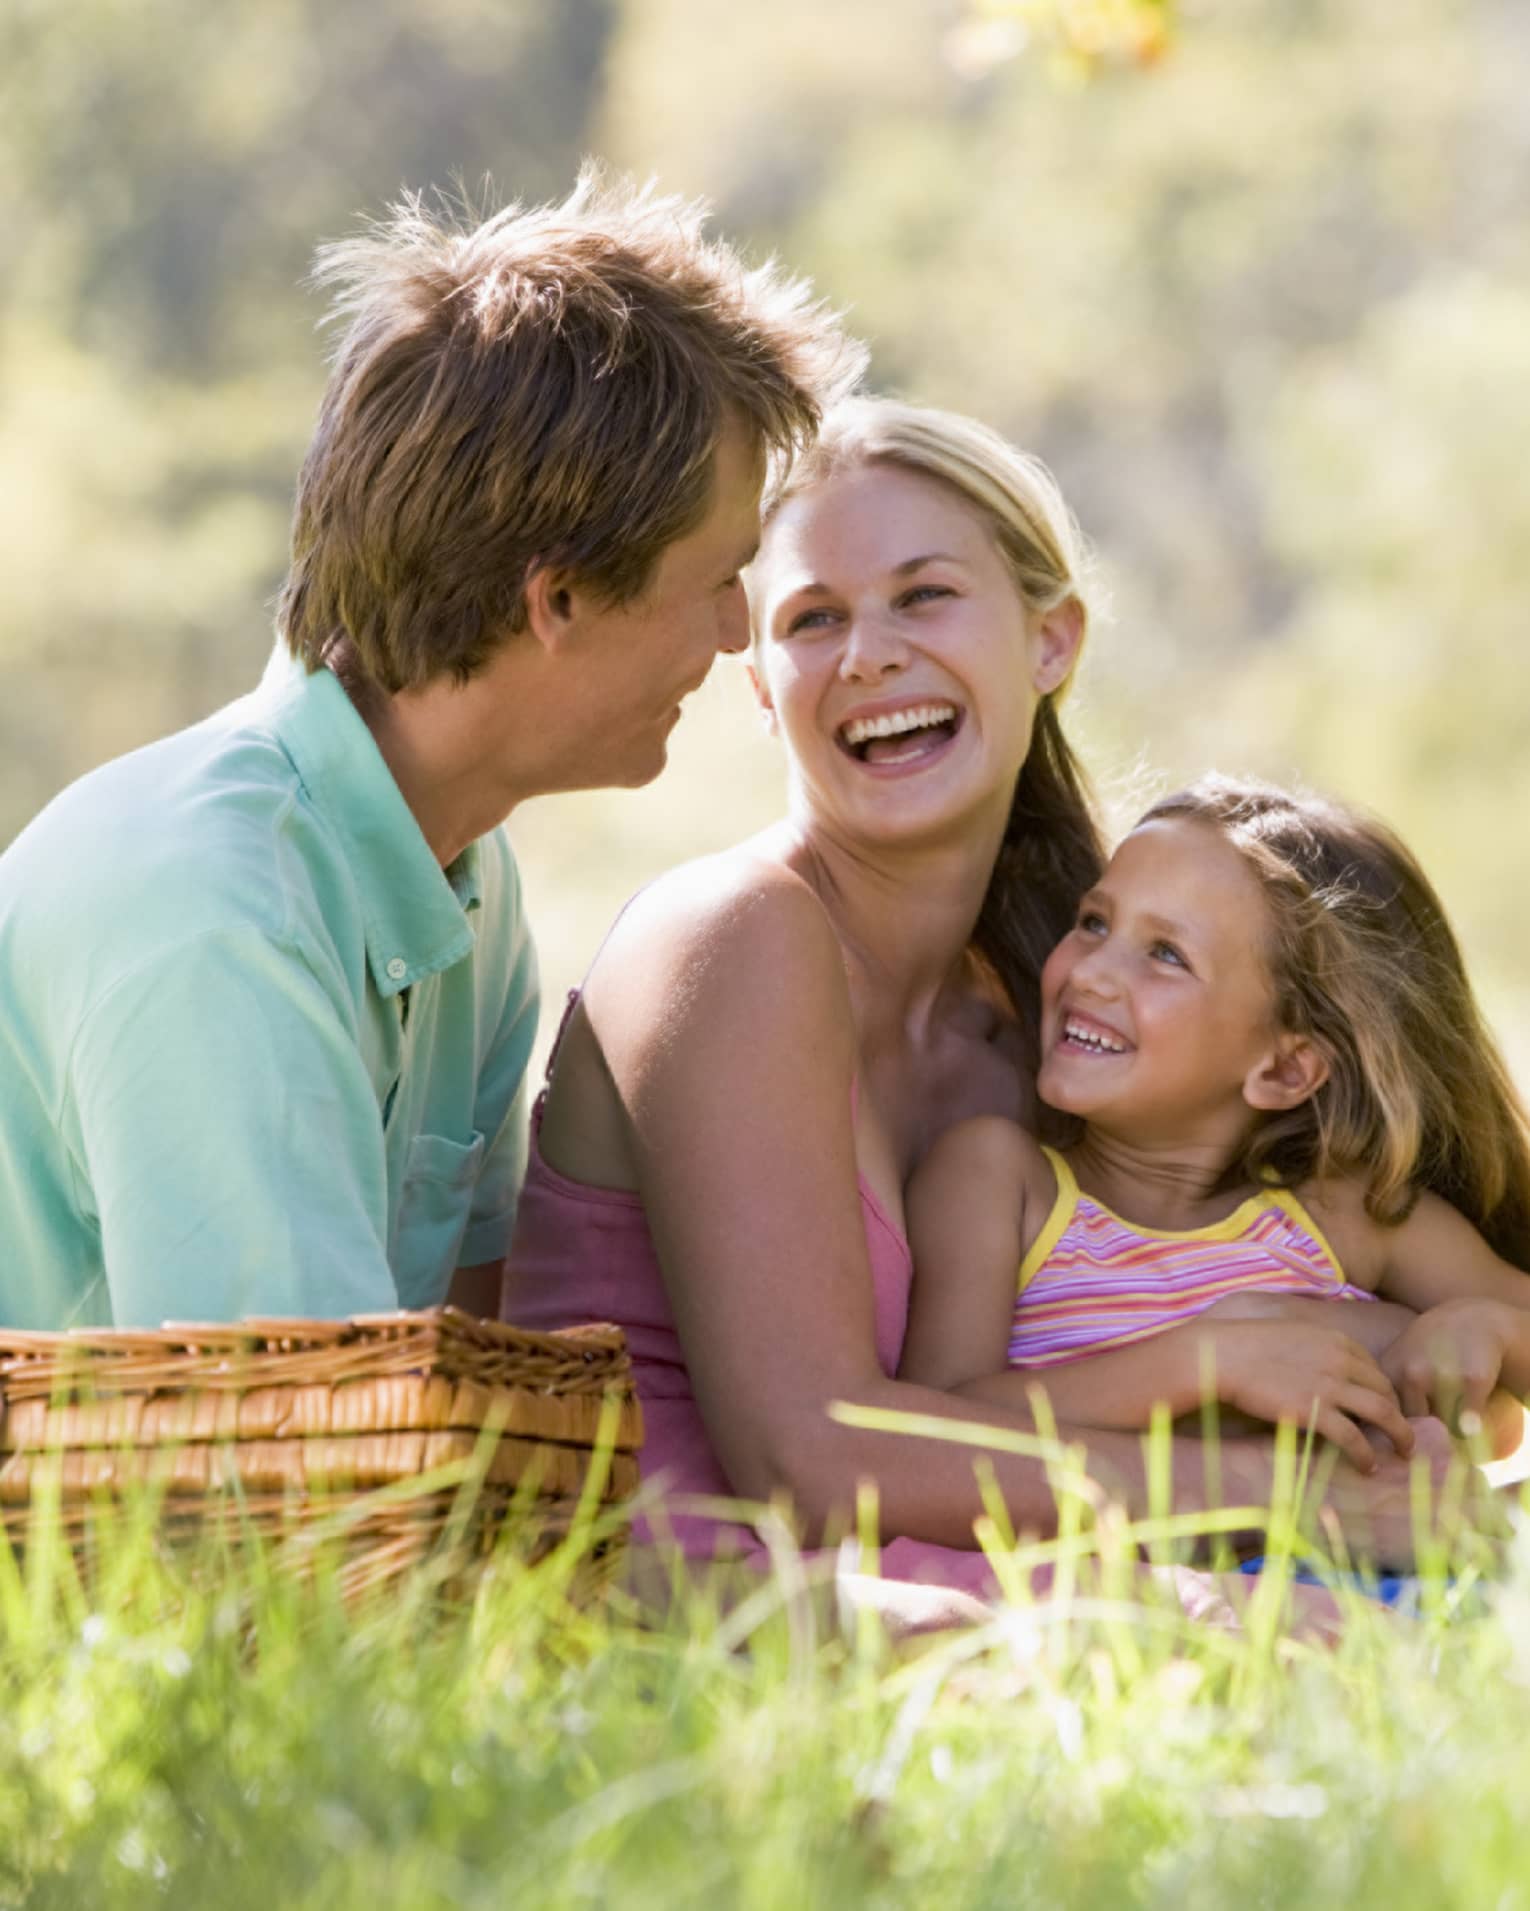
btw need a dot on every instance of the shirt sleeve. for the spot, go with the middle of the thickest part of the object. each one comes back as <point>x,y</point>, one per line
<point>229,1139</point>
<point>503,1095</point>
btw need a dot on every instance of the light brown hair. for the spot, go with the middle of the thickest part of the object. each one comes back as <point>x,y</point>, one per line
<point>543,387</point>
<point>1365,964</point>
<point>1051,852</point>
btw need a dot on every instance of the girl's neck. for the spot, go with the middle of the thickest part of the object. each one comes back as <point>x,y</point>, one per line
<point>1173,1186</point>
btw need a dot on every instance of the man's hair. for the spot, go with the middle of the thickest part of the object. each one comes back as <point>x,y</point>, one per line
<point>543,388</point>
<point>1364,963</point>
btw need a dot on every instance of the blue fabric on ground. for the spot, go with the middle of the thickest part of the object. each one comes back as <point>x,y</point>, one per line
<point>1392,1589</point>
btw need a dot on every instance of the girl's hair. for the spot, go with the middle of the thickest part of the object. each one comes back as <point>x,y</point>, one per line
<point>1052,850</point>
<point>1364,963</point>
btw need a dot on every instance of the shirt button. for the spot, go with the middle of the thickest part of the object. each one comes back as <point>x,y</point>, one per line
<point>398,968</point>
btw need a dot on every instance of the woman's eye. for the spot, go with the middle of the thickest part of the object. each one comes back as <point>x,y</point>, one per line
<point>925,593</point>
<point>809,620</point>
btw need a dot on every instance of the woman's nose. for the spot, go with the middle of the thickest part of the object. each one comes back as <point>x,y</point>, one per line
<point>872,648</point>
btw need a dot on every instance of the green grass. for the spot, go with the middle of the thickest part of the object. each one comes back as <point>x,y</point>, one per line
<point>214,1732</point>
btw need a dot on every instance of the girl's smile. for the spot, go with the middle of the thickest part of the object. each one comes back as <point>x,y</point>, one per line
<point>1157,1006</point>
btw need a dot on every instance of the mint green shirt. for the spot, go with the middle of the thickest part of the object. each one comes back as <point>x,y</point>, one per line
<point>259,1053</point>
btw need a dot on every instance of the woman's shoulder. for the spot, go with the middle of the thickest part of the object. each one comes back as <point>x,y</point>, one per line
<point>739,936</point>
<point>745,902</point>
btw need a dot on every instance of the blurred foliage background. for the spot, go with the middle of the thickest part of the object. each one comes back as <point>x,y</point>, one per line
<point>1260,295</point>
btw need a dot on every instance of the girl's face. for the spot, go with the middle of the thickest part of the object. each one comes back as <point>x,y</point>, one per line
<point>1157,1008</point>
<point>895,655</point>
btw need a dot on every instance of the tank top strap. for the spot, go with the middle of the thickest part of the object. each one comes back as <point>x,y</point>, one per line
<point>557,1040</point>
<point>1064,1204</point>
<point>1296,1210</point>
<point>574,995</point>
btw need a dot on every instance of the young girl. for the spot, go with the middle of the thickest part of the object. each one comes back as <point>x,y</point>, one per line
<point>1282,1096</point>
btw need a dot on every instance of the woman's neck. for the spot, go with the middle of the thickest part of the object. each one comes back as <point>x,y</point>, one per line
<point>1172,1185</point>
<point>904,915</point>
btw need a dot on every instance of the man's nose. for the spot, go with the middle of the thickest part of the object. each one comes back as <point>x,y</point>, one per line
<point>733,622</point>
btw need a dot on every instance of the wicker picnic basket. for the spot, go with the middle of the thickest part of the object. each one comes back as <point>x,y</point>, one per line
<point>302,1430</point>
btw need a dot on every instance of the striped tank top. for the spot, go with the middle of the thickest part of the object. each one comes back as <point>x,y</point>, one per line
<point>1091,1281</point>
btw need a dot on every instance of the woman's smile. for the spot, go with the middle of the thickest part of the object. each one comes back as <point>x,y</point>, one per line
<point>902,735</point>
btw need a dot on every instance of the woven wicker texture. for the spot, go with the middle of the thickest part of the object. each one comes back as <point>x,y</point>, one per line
<point>283,1427</point>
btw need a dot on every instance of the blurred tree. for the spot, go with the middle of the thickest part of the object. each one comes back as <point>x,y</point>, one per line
<point>165,171</point>
<point>1262,304</point>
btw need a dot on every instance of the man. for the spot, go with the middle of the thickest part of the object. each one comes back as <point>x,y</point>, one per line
<point>267,994</point>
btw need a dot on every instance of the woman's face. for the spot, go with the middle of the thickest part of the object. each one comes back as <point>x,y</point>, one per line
<point>895,655</point>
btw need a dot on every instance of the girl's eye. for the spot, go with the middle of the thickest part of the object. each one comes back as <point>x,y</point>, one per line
<point>1091,922</point>
<point>1166,952</point>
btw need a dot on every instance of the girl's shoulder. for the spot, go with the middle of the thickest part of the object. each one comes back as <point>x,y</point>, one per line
<point>996,1151</point>
<point>1337,1204</point>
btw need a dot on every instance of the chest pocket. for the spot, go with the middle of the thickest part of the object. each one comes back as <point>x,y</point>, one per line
<point>433,1207</point>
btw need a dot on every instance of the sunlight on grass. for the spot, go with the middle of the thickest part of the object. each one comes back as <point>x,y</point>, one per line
<point>208,1727</point>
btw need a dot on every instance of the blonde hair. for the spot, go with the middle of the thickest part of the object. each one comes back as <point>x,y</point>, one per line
<point>1365,964</point>
<point>1051,852</point>
<point>544,387</point>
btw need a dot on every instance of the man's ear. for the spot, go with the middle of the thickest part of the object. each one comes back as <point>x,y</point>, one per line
<point>552,606</point>
<point>1286,1075</point>
<point>1058,637</point>
<point>762,698</point>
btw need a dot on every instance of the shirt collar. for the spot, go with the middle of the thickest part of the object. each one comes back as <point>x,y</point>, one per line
<point>415,913</point>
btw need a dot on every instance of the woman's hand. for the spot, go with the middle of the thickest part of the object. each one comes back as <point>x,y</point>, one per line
<point>1277,1370</point>
<point>1448,1361</point>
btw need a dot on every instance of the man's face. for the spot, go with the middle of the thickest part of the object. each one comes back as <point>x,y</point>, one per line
<point>626,669</point>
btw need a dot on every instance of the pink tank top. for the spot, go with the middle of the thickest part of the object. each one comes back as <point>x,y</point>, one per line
<point>1091,1280</point>
<point>584,1253</point>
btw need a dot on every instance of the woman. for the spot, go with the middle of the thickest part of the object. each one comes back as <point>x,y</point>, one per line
<point>771,1038</point>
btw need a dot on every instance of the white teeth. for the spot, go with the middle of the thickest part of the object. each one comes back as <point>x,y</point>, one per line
<point>896,723</point>
<point>1091,1038</point>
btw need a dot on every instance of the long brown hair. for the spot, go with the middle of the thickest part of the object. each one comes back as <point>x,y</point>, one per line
<point>1365,964</point>
<point>1051,852</point>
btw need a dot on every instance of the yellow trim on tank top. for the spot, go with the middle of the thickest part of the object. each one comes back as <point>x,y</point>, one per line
<point>1229,1228</point>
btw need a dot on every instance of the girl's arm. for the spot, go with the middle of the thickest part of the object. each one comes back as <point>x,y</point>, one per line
<point>970,1210</point>
<point>1269,1369</point>
<point>975,1205</point>
<point>1472,1333</point>
<point>722,1013</point>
